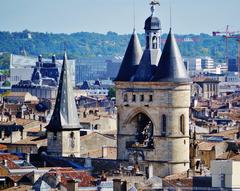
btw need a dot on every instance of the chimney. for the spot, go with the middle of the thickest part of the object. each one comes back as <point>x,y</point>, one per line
<point>150,171</point>
<point>5,163</point>
<point>53,59</point>
<point>58,178</point>
<point>40,58</point>
<point>27,157</point>
<point>72,185</point>
<point>119,185</point>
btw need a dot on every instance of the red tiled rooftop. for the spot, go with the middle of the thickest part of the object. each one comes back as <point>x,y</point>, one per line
<point>4,156</point>
<point>68,174</point>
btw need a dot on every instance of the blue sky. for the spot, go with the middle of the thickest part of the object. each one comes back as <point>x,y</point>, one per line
<point>67,16</point>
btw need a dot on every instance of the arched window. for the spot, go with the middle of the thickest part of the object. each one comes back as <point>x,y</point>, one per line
<point>125,98</point>
<point>164,125</point>
<point>133,98</point>
<point>154,42</point>
<point>144,131</point>
<point>182,124</point>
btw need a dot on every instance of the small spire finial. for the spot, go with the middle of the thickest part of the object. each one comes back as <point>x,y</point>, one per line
<point>134,16</point>
<point>170,15</point>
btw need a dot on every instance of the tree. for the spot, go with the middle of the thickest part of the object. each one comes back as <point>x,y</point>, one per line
<point>112,92</point>
<point>6,84</point>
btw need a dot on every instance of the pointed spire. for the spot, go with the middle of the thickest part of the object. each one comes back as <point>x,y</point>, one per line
<point>171,67</point>
<point>131,59</point>
<point>65,112</point>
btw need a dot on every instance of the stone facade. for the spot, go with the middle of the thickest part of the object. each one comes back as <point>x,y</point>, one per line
<point>169,152</point>
<point>64,143</point>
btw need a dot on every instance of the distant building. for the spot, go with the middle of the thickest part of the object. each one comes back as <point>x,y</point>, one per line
<point>193,65</point>
<point>207,63</point>
<point>42,92</point>
<point>232,65</point>
<point>44,79</point>
<point>101,68</point>
<point>45,72</point>
<point>113,68</point>
<point>22,68</point>
<point>208,86</point>
<point>91,69</point>
<point>96,89</point>
<point>20,97</point>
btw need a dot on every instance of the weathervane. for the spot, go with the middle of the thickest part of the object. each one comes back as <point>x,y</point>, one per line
<point>153,4</point>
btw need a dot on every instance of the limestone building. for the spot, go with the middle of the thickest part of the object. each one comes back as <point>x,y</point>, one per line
<point>63,130</point>
<point>153,100</point>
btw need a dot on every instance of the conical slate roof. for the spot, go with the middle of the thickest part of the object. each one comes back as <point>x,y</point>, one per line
<point>65,115</point>
<point>131,59</point>
<point>145,70</point>
<point>171,67</point>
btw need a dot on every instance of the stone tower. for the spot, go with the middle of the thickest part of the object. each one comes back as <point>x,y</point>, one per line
<point>63,129</point>
<point>153,110</point>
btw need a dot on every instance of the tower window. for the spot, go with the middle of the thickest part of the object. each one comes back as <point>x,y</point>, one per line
<point>164,125</point>
<point>154,42</point>
<point>125,98</point>
<point>150,98</point>
<point>182,124</point>
<point>133,98</point>
<point>141,97</point>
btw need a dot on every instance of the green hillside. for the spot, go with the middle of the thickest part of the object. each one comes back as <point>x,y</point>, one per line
<point>85,44</point>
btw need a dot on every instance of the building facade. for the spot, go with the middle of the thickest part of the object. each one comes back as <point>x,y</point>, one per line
<point>153,103</point>
<point>207,63</point>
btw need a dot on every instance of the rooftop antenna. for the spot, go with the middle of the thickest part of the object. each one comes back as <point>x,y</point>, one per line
<point>134,16</point>
<point>170,14</point>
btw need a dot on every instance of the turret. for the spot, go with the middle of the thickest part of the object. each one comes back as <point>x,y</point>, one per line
<point>131,59</point>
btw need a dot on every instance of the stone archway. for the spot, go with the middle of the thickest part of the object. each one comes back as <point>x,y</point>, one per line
<point>144,130</point>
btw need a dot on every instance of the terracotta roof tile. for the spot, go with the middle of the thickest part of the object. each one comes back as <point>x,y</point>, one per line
<point>68,174</point>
